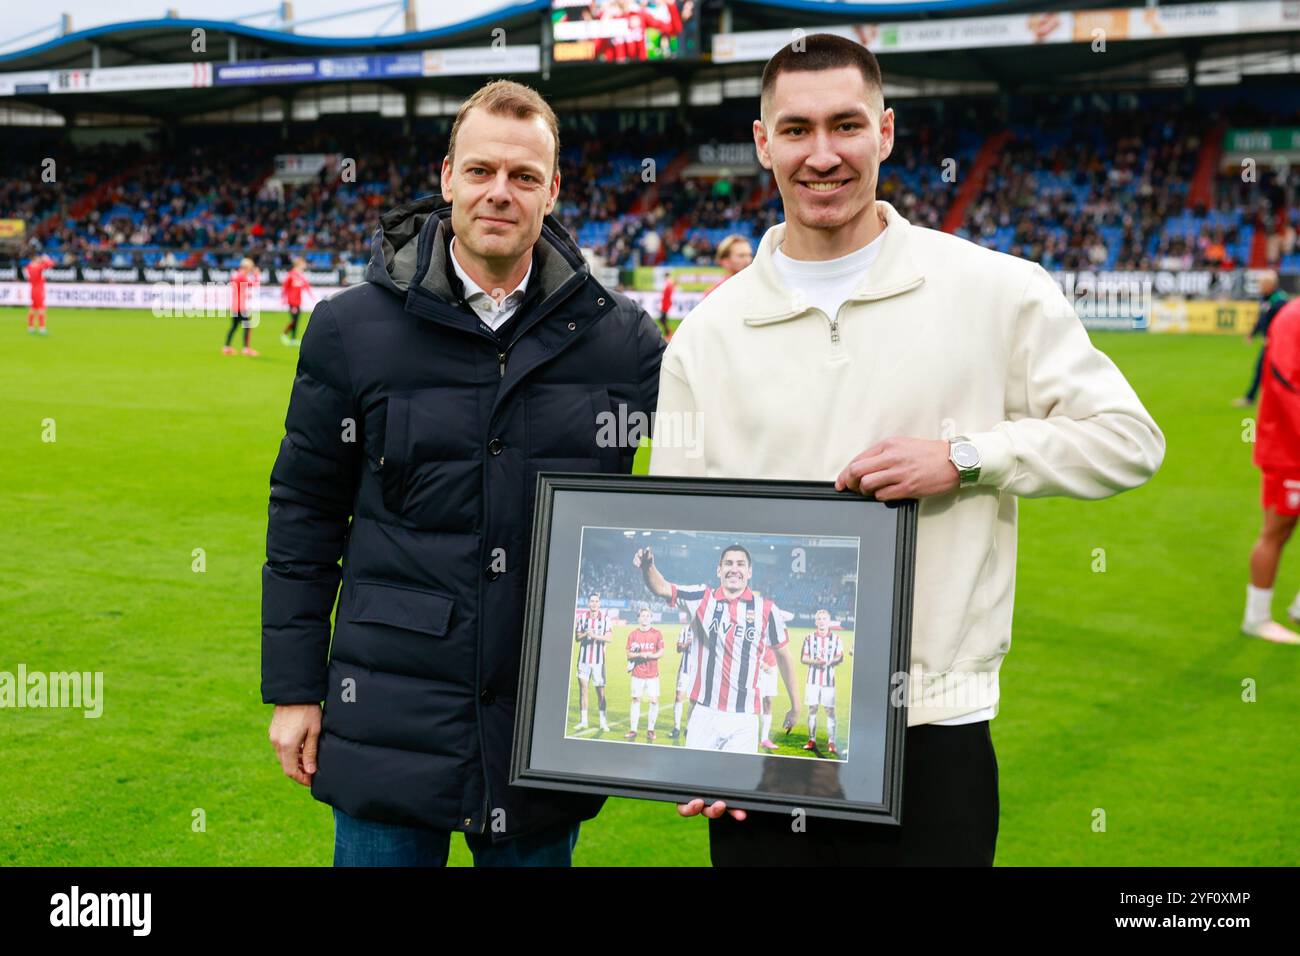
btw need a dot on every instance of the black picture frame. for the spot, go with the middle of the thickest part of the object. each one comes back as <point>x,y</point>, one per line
<point>546,756</point>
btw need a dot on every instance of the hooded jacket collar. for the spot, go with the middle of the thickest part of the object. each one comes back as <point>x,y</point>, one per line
<point>409,260</point>
<point>893,272</point>
<point>409,252</point>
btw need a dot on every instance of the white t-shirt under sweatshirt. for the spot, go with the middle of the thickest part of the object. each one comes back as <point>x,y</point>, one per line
<point>825,284</point>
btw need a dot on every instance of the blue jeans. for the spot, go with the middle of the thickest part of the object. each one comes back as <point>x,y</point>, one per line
<point>360,842</point>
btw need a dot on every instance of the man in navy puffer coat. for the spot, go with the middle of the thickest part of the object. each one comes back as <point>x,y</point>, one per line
<point>426,401</point>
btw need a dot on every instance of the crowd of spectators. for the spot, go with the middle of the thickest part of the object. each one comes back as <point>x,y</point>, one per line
<point>1109,194</point>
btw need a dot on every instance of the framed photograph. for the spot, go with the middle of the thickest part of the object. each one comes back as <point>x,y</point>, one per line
<point>731,640</point>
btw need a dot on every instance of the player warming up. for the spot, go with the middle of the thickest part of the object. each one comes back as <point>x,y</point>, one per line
<point>294,287</point>
<point>645,645</point>
<point>730,625</point>
<point>1277,455</point>
<point>823,651</point>
<point>591,631</point>
<point>36,277</point>
<point>243,281</point>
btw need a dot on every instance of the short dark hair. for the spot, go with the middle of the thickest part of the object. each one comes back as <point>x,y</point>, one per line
<point>508,98</point>
<point>594,594</point>
<point>736,547</point>
<point>822,51</point>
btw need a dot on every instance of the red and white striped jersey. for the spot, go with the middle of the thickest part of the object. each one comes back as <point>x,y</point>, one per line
<point>684,648</point>
<point>826,647</point>
<point>729,638</point>
<point>597,624</point>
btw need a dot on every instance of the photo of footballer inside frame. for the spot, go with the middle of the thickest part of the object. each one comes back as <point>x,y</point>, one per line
<point>719,639</point>
<point>737,655</point>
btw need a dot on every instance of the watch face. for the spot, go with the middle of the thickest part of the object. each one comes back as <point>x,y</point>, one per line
<point>965,455</point>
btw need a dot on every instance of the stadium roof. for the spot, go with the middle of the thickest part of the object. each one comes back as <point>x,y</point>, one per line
<point>1135,63</point>
<point>760,14</point>
<point>168,40</point>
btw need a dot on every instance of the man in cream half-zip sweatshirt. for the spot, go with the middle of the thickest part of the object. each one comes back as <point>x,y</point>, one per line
<point>900,362</point>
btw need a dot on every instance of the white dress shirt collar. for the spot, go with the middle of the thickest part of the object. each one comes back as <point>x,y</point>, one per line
<point>484,306</point>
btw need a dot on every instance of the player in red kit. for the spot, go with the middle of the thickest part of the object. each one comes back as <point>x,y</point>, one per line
<point>36,276</point>
<point>665,306</point>
<point>645,645</point>
<point>293,288</point>
<point>1277,455</point>
<point>243,286</point>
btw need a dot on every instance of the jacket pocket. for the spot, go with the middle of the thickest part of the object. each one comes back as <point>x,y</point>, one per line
<point>574,421</point>
<point>412,609</point>
<point>391,466</point>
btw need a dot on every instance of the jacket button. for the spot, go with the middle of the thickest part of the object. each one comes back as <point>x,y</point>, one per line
<point>600,301</point>
<point>496,445</point>
<point>487,697</point>
<point>468,821</point>
<point>573,326</point>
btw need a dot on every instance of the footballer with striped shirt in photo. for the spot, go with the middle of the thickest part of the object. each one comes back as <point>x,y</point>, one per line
<point>685,677</point>
<point>767,690</point>
<point>592,632</point>
<point>730,625</point>
<point>823,651</point>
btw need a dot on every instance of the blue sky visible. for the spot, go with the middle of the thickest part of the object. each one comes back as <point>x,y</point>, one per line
<point>23,18</point>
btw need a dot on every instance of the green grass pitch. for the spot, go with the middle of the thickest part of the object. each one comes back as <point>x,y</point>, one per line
<point>1122,696</point>
<point>618,698</point>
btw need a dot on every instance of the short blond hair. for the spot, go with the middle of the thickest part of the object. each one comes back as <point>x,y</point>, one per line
<point>724,247</point>
<point>508,98</point>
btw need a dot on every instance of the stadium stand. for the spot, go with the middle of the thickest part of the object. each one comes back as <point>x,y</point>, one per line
<point>1102,195</point>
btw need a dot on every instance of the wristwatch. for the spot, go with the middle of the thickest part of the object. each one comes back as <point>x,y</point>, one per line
<point>965,457</point>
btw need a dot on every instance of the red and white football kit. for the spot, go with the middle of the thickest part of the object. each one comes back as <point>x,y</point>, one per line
<point>684,675</point>
<point>36,276</point>
<point>591,653</point>
<point>821,677</point>
<point>1277,435</point>
<point>295,284</point>
<point>645,674</point>
<point>729,637</point>
<point>767,673</point>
